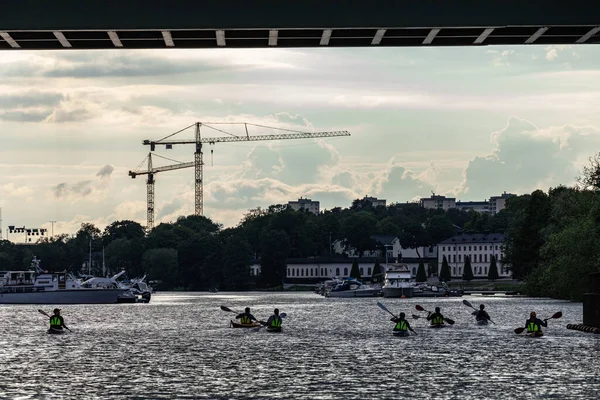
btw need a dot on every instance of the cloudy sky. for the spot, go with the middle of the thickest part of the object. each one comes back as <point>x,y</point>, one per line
<point>465,122</point>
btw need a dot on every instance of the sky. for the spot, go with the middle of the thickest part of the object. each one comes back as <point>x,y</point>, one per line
<point>466,122</point>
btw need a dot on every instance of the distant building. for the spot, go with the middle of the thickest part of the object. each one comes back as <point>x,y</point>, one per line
<point>305,204</point>
<point>368,201</point>
<point>479,206</point>
<point>438,202</point>
<point>479,247</point>
<point>498,203</point>
<point>491,206</point>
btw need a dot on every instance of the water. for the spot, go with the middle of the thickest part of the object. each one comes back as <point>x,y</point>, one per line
<point>180,346</point>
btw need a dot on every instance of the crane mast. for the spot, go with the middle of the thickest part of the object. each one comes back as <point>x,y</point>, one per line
<point>198,161</point>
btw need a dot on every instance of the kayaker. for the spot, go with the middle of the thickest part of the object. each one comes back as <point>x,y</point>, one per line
<point>481,314</point>
<point>57,322</point>
<point>274,320</point>
<point>401,323</point>
<point>534,324</point>
<point>246,317</point>
<point>436,318</point>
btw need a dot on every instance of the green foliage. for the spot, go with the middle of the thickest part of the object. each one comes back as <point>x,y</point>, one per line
<point>421,275</point>
<point>445,275</point>
<point>162,265</point>
<point>493,270</point>
<point>355,271</point>
<point>467,270</point>
<point>377,275</point>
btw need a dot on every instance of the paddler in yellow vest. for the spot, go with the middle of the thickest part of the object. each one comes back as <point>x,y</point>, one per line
<point>57,322</point>
<point>534,324</point>
<point>402,324</point>
<point>246,317</point>
<point>436,318</point>
<point>274,320</point>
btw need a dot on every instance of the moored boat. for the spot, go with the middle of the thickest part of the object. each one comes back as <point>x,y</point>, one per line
<point>398,282</point>
<point>353,288</point>
<point>42,287</point>
<point>238,325</point>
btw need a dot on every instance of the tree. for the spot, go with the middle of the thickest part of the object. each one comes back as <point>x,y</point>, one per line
<point>413,236</point>
<point>123,230</point>
<point>590,176</point>
<point>467,270</point>
<point>357,229</point>
<point>445,275</point>
<point>236,264</point>
<point>161,265</point>
<point>355,271</point>
<point>421,276</point>
<point>493,271</point>
<point>275,249</point>
<point>377,275</point>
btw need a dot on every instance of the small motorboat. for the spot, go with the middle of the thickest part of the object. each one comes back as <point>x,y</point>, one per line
<point>238,325</point>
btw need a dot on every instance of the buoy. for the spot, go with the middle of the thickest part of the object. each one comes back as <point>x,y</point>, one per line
<point>403,297</point>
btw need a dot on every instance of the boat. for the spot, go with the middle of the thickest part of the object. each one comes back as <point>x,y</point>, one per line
<point>37,286</point>
<point>135,290</point>
<point>400,333</point>
<point>437,326</point>
<point>481,322</point>
<point>273,329</point>
<point>326,286</point>
<point>534,334</point>
<point>238,325</point>
<point>55,331</point>
<point>436,291</point>
<point>351,287</point>
<point>398,282</point>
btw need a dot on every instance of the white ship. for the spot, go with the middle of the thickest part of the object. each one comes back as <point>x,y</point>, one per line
<point>398,282</point>
<point>40,287</point>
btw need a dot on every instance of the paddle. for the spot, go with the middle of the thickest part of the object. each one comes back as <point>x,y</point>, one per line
<point>466,303</point>
<point>228,309</point>
<point>384,308</point>
<point>555,316</point>
<point>49,316</point>
<point>448,320</point>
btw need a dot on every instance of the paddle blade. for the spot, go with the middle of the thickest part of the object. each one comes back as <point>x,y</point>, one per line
<point>226,309</point>
<point>419,308</point>
<point>556,315</point>
<point>415,316</point>
<point>466,303</point>
<point>43,312</point>
<point>519,330</point>
<point>450,321</point>
<point>384,308</point>
<point>283,315</point>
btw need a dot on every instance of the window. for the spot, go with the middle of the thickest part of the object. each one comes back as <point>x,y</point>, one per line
<point>362,271</point>
<point>345,271</point>
<point>337,272</point>
<point>469,248</point>
<point>302,272</point>
<point>288,272</point>
<point>444,248</point>
<point>485,248</point>
<point>297,272</point>
<point>485,270</point>
<point>414,271</point>
<point>460,258</point>
<point>479,248</point>
<point>369,271</point>
<point>454,271</point>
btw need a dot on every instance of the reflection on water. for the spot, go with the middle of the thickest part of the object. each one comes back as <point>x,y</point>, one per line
<point>180,346</point>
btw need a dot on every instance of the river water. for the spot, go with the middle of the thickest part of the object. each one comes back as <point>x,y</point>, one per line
<point>180,346</point>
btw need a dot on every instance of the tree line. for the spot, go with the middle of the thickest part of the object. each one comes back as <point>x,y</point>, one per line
<point>552,241</point>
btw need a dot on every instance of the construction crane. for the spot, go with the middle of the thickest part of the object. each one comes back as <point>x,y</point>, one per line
<point>198,162</point>
<point>150,184</point>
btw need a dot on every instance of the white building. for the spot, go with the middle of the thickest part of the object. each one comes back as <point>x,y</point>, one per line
<point>305,204</point>
<point>375,202</point>
<point>479,206</point>
<point>438,202</point>
<point>498,203</point>
<point>479,247</point>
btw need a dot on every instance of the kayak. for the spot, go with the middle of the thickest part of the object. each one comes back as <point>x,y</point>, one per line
<point>481,322</point>
<point>534,334</point>
<point>273,329</point>
<point>400,333</point>
<point>437,326</point>
<point>55,331</point>
<point>251,325</point>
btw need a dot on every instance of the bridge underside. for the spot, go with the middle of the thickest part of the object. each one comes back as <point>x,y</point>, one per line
<point>147,24</point>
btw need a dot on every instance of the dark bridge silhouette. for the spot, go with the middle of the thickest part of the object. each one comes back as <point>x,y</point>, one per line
<point>143,24</point>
